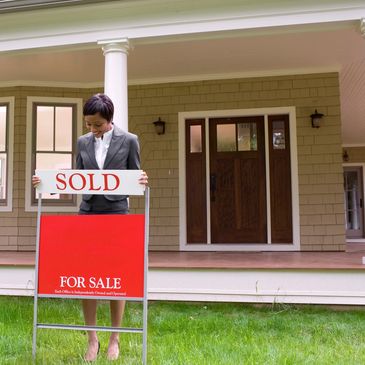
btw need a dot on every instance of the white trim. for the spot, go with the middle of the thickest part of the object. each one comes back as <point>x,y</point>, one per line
<point>207,169</point>
<point>182,178</point>
<point>258,285</point>
<point>314,286</point>
<point>353,164</point>
<point>16,280</point>
<point>353,145</point>
<point>10,154</point>
<point>28,173</point>
<point>142,21</point>
<point>239,247</point>
<point>203,36</point>
<point>267,177</point>
<point>294,177</point>
<point>53,84</point>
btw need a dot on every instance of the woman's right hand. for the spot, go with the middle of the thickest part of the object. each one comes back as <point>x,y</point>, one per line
<point>35,181</point>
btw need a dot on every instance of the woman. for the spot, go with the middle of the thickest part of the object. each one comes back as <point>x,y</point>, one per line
<point>104,147</point>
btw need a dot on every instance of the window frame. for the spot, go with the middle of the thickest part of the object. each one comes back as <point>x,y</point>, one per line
<point>6,205</point>
<point>45,201</point>
<point>49,205</point>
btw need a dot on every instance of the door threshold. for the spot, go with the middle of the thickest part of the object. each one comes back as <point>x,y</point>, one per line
<point>240,247</point>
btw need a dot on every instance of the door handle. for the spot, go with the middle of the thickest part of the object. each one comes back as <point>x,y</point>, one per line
<point>213,186</point>
<point>213,182</point>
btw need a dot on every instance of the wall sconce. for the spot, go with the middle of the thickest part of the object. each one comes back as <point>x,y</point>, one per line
<point>159,126</point>
<point>345,156</point>
<point>316,119</point>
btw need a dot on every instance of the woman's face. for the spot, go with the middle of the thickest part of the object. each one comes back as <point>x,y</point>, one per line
<point>97,125</point>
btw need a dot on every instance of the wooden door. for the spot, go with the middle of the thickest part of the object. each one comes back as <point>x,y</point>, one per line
<point>237,180</point>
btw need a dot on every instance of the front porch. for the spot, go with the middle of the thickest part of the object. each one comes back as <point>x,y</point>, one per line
<point>260,277</point>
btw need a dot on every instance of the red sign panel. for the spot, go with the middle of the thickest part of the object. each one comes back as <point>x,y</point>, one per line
<point>92,255</point>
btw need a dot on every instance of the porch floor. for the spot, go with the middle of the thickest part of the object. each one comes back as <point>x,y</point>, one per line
<point>350,259</point>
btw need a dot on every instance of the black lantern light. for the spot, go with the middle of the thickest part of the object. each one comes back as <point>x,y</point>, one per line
<point>316,119</point>
<point>159,126</point>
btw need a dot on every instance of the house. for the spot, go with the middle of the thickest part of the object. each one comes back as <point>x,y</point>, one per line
<point>240,166</point>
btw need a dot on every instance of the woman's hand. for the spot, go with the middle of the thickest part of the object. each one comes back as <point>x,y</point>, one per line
<point>143,180</point>
<point>35,181</point>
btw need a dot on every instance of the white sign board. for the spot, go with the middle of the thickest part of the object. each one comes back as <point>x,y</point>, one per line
<point>102,182</point>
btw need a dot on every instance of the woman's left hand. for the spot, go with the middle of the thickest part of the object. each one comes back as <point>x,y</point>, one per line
<point>143,179</point>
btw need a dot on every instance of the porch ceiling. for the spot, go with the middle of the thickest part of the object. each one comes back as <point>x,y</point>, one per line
<point>340,47</point>
<point>24,5</point>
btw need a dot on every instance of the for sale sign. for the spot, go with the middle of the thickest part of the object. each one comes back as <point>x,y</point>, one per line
<point>92,256</point>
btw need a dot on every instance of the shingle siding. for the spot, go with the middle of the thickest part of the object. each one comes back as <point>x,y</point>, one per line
<point>319,151</point>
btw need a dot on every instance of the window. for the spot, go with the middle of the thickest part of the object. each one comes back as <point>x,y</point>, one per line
<point>53,132</point>
<point>6,152</point>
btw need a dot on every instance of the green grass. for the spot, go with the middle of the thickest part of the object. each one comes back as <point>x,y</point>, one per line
<point>191,333</point>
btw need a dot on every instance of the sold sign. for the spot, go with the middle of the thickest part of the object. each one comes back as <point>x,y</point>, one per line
<point>105,182</point>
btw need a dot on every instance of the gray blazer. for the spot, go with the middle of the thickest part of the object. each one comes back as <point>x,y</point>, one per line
<point>123,154</point>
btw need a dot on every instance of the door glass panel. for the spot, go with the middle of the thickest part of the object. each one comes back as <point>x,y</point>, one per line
<point>44,128</point>
<point>226,137</point>
<point>195,138</point>
<point>278,135</point>
<point>247,136</point>
<point>352,197</point>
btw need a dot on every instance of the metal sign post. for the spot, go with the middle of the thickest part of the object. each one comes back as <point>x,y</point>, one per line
<point>107,187</point>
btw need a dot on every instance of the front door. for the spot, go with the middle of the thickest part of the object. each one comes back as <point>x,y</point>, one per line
<point>238,186</point>
<point>353,186</point>
<point>237,180</point>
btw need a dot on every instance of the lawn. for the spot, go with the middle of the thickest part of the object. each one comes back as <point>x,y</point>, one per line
<point>191,333</point>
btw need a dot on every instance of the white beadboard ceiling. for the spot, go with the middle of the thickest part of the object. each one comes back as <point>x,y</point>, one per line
<point>230,54</point>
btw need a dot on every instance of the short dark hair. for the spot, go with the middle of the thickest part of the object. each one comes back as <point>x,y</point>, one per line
<point>99,103</point>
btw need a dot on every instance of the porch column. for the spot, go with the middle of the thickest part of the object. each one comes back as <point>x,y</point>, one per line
<point>116,79</point>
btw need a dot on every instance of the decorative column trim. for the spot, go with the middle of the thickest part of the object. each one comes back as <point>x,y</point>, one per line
<point>115,45</point>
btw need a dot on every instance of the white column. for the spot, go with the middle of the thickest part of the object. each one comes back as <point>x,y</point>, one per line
<point>116,79</point>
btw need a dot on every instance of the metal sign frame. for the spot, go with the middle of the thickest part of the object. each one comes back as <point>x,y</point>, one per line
<point>144,299</point>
